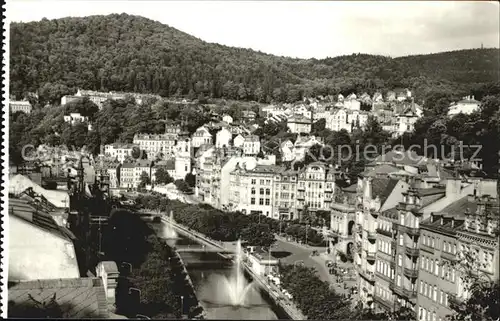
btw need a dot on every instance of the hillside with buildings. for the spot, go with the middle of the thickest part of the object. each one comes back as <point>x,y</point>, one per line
<point>134,54</point>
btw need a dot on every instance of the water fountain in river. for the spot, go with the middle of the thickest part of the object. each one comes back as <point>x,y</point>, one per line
<point>169,232</point>
<point>236,286</point>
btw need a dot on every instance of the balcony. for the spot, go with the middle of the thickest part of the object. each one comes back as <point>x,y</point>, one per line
<point>427,248</point>
<point>410,294</point>
<point>388,305</point>
<point>370,255</point>
<point>413,231</point>
<point>412,251</point>
<point>384,232</point>
<point>448,256</point>
<point>372,236</point>
<point>411,272</point>
<point>396,289</point>
<point>328,199</point>
<point>301,188</point>
<point>301,197</point>
<point>384,277</point>
<point>369,276</point>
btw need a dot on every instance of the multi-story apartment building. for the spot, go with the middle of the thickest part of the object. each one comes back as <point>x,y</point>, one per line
<point>285,192</point>
<point>201,137</point>
<point>315,187</point>
<point>251,188</point>
<point>203,167</point>
<point>299,124</point>
<point>156,144</point>
<point>22,106</point>
<point>127,174</point>
<point>251,145</point>
<point>457,245</point>
<point>303,144</point>
<point>142,166</point>
<point>223,138</point>
<point>113,171</point>
<point>119,151</point>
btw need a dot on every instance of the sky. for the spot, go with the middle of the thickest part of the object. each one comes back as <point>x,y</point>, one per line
<point>312,29</point>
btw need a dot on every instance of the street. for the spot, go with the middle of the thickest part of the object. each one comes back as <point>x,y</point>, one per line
<point>290,253</point>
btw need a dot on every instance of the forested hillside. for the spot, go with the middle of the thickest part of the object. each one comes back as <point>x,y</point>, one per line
<point>131,53</point>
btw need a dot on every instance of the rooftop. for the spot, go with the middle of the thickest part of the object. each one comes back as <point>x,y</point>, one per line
<point>78,298</point>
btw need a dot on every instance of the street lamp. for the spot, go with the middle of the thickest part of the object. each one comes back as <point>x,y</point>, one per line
<point>182,304</point>
<point>129,267</point>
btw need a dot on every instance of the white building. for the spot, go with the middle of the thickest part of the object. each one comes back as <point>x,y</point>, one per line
<point>299,124</point>
<point>467,106</point>
<point>261,263</point>
<point>228,119</point>
<point>238,141</point>
<point>141,166</point>
<point>22,106</point>
<point>74,118</point>
<point>223,138</point>
<point>251,145</point>
<point>201,137</point>
<point>156,144</point>
<point>303,144</point>
<point>183,156</point>
<point>287,151</point>
<point>119,151</point>
<point>338,120</point>
<point>352,103</point>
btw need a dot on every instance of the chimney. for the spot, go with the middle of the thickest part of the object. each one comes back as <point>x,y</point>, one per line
<point>453,187</point>
<point>108,272</point>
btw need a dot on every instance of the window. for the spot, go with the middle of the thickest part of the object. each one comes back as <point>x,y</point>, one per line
<point>401,239</point>
<point>441,297</point>
<point>398,280</point>
<point>420,313</point>
<point>261,182</point>
<point>261,201</point>
<point>436,267</point>
<point>261,191</point>
<point>400,260</point>
<point>453,275</point>
<point>421,287</point>
<point>268,191</point>
<point>432,241</point>
<point>426,289</point>
<point>267,201</point>
<point>402,219</point>
<point>253,191</point>
<point>254,181</point>
<point>434,294</point>
<point>252,201</point>
<point>433,316</point>
<point>446,299</point>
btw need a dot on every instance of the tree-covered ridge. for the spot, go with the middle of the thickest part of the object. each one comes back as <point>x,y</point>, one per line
<point>135,54</point>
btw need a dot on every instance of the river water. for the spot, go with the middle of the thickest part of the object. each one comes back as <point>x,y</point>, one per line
<point>212,277</point>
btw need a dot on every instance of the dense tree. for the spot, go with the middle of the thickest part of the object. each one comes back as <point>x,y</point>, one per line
<point>141,55</point>
<point>258,235</point>
<point>190,179</point>
<point>162,176</point>
<point>144,180</point>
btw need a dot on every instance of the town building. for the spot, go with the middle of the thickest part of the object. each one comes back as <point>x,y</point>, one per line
<point>287,151</point>
<point>285,192</point>
<point>23,106</point>
<point>249,116</point>
<point>227,119</point>
<point>156,145</point>
<point>261,263</point>
<point>39,248</point>
<point>238,141</point>
<point>119,151</point>
<point>315,187</point>
<point>302,146</point>
<point>352,103</point>
<point>340,235</point>
<point>299,124</point>
<point>127,175</point>
<point>183,156</point>
<point>75,118</point>
<point>251,145</point>
<point>251,187</point>
<point>142,166</point>
<point>457,245</point>
<point>466,106</point>
<point>201,137</point>
<point>223,138</point>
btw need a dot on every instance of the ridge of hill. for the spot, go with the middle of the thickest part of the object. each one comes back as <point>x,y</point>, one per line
<point>122,52</point>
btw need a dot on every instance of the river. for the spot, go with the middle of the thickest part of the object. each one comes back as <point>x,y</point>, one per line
<point>213,279</point>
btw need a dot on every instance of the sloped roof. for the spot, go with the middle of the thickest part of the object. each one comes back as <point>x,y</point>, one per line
<point>382,187</point>
<point>43,220</point>
<point>400,158</point>
<point>78,298</point>
<point>378,170</point>
<point>19,183</point>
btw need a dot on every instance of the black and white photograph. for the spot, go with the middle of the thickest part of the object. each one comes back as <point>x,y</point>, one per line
<point>251,160</point>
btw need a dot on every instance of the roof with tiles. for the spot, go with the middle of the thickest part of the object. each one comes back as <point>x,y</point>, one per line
<point>43,220</point>
<point>391,213</point>
<point>379,170</point>
<point>400,158</point>
<point>78,298</point>
<point>382,187</point>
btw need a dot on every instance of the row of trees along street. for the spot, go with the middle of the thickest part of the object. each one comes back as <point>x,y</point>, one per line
<point>255,229</point>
